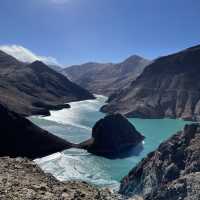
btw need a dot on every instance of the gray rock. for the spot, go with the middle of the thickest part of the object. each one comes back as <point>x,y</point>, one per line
<point>22,179</point>
<point>171,172</point>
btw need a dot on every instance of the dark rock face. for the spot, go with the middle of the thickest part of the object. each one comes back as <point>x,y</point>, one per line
<point>23,87</point>
<point>20,137</point>
<point>169,87</point>
<point>106,78</point>
<point>112,135</point>
<point>171,172</point>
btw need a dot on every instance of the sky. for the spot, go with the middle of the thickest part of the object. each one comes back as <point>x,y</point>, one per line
<point>67,32</point>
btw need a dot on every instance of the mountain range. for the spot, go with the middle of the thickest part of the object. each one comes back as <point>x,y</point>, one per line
<point>35,88</point>
<point>106,78</point>
<point>168,87</point>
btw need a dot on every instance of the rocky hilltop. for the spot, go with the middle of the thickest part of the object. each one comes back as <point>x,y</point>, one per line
<point>112,137</point>
<point>169,87</point>
<point>35,88</point>
<point>172,172</point>
<point>106,78</point>
<point>22,179</point>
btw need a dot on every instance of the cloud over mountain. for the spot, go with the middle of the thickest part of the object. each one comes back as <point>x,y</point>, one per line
<point>25,55</point>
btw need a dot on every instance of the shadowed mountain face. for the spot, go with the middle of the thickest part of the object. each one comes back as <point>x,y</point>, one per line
<point>20,137</point>
<point>106,78</point>
<point>7,61</point>
<point>172,172</point>
<point>35,88</point>
<point>169,87</point>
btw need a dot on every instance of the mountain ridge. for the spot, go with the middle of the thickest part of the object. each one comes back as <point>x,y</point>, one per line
<point>105,78</point>
<point>25,86</point>
<point>168,87</point>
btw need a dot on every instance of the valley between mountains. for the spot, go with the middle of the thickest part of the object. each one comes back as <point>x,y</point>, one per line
<point>167,87</point>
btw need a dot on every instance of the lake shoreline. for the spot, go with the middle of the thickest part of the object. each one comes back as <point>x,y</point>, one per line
<point>75,125</point>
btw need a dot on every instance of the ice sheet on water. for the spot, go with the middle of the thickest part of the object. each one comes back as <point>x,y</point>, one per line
<point>76,164</point>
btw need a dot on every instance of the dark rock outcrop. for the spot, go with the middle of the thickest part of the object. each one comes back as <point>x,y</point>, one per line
<point>171,172</point>
<point>25,86</point>
<point>106,78</point>
<point>111,136</point>
<point>169,87</point>
<point>20,137</point>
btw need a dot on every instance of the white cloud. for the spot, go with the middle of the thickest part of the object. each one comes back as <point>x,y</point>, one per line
<point>25,55</point>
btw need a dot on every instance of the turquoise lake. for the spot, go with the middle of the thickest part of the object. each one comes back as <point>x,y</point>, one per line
<point>75,125</point>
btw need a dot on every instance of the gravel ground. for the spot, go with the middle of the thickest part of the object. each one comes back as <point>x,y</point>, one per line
<point>22,179</point>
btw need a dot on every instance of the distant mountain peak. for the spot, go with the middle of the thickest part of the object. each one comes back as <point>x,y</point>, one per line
<point>105,78</point>
<point>134,59</point>
<point>135,56</point>
<point>39,66</point>
<point>38,62</point>
<point>34,88</point>
<point>168,87</point>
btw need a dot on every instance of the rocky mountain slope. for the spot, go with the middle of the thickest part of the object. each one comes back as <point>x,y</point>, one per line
<point>22,179</point>
<point>106,78</point>
<point>20,137</point>
<point>35,88</point>
<point>169,87</point>
<point>171,172</point>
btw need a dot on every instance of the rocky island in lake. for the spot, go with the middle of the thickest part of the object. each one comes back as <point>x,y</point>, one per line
<point>112,136</point>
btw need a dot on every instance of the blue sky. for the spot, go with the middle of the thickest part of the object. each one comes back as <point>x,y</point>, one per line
<point>77,31</point>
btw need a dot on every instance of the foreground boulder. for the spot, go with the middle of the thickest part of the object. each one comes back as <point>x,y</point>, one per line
<point>20,137</point>
<point>22,179</point>
<point>172,172</point>
<point>112,135</point>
